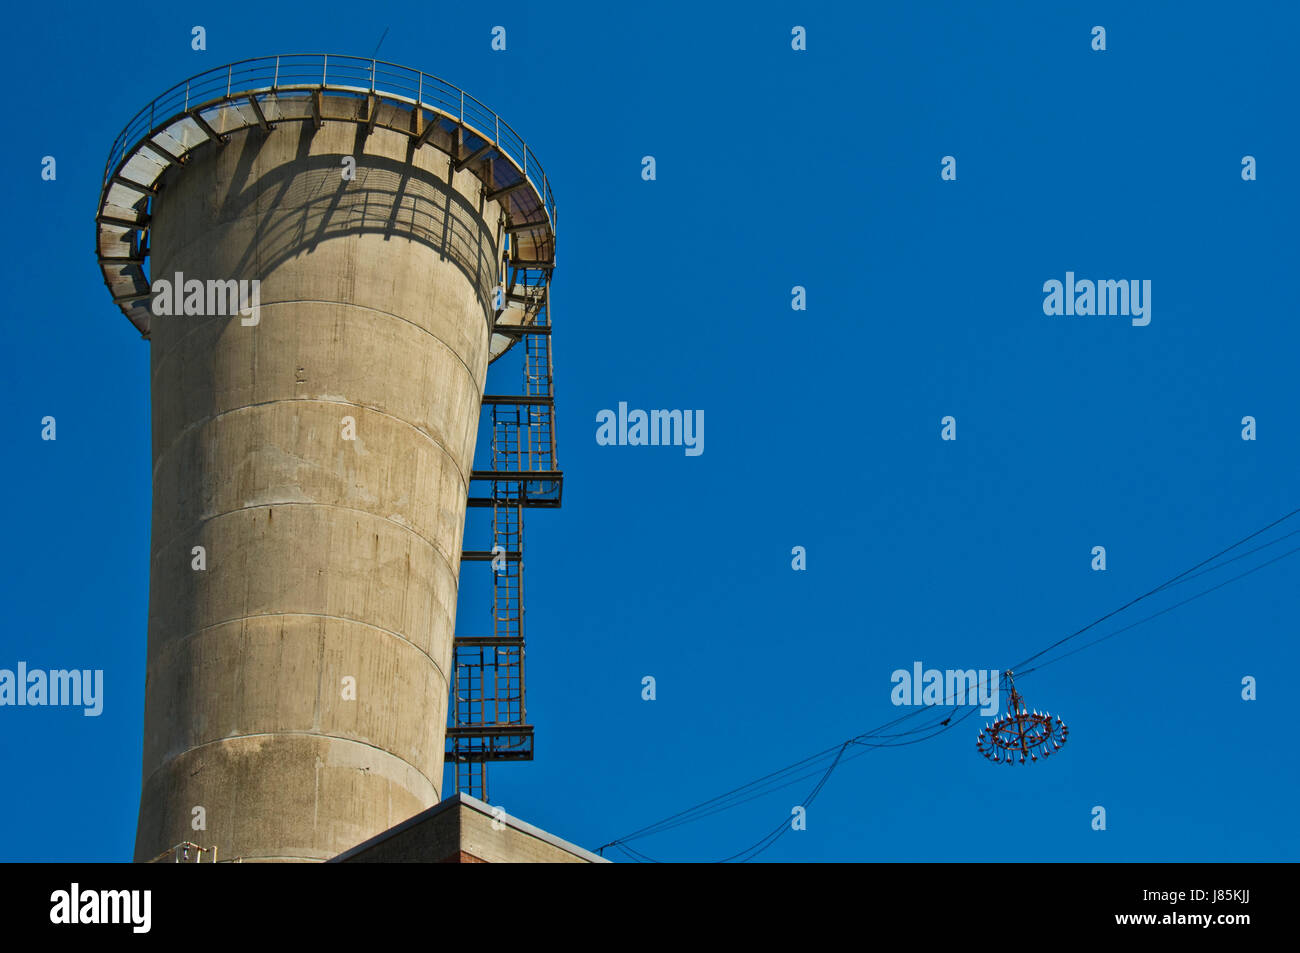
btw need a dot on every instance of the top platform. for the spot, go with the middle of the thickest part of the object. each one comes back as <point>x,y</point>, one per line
<point>318,88</point>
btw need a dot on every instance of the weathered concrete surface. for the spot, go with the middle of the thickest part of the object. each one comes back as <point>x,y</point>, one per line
<point>326,557</point>
<point>464,830</point>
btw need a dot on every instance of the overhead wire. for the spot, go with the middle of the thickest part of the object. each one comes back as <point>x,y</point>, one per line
<point>1154,615</point>
<point>1159,588</point>
<point>777,780</point>
<point>781,778</point>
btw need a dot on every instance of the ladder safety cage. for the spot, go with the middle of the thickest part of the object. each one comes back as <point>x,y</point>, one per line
<point>488,717</point>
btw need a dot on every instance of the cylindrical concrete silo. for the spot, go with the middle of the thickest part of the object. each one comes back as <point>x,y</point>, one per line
<point>319,450</point>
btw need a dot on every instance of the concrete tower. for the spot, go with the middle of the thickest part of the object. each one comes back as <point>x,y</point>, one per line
<point>312,453</point>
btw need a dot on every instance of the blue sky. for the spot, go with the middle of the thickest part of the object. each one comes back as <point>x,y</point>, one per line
<point>775,168</point>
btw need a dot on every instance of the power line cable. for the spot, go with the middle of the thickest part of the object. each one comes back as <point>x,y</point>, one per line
<point>1159,588</point>
<point>777,780</point>
<point>1176,605</point>
<point>767,784</point>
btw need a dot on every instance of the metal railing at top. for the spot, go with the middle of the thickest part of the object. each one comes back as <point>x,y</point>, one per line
<point>344,73</point>
<point>181,854</point>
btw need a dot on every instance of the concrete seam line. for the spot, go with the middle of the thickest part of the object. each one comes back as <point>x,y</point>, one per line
<point>168,759</point>
<point>342,304</point>
<point>176,642</point>
<point>464,479</point>
<point>446,558</point>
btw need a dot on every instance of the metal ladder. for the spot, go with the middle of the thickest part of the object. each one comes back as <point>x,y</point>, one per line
<point>489,715</point>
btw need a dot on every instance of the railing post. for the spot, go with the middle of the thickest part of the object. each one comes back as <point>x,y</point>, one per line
<point>324,69</point>
<point>462,107</point>
<point>230,70</point>
<point>497,140</point>
<point>275,80</point>
<point>419,89</point>
<point>373,63</point>
<point>187,95</point>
